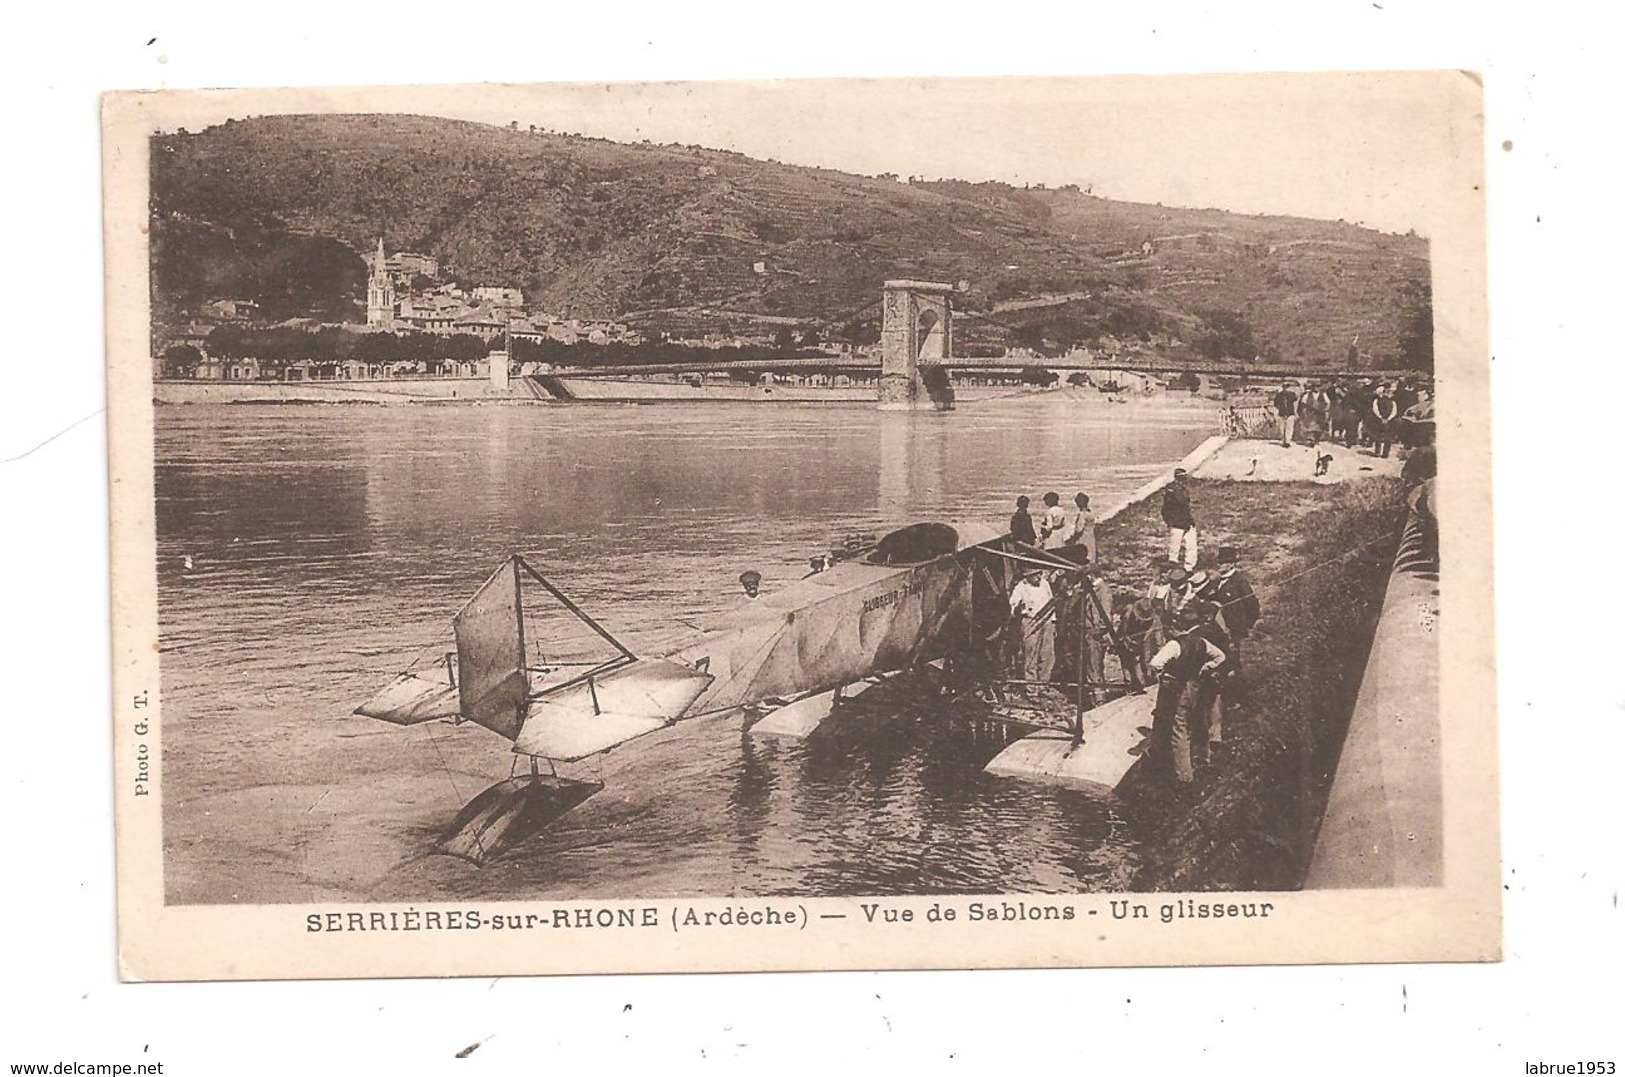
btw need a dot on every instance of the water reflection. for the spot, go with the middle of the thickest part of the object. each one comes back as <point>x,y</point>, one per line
<point>751,797</point>
<point>331,544</point>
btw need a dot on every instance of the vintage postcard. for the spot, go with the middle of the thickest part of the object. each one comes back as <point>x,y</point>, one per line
<point>801,525</point>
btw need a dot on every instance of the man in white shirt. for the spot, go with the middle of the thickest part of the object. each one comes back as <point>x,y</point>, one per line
<point>1033,616</point>
<point>1052,529</point>
<point>1161,588</point>
<point>1191,589</point>
<point>1082,531</point>
<point>1182,667</point>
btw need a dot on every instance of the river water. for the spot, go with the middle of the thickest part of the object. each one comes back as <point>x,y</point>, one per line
<point>330,545</point>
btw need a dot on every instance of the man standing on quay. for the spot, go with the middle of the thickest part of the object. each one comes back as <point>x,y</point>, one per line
<point>1176,513</point>
<point>1286,407</point>
<point>1313,409</point>
<point>1383,413</point>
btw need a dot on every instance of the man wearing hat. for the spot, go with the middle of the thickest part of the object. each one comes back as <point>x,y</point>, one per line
<point>1032,617</point>
<point>1166,592</point>
<point>1141,627</point>
<point>1237,601</point>
<point>1313,406</point>
<point>1176,513</point>
<point>1191,589</point>
<point>751,581</point>
<point>1383,413</point>
<point>1182,667</point>
<point>1143,623</point>
<point>1207,720</point>
<point>1236,614</point>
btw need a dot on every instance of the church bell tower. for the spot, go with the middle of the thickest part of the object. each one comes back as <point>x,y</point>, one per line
<point>380,291</point>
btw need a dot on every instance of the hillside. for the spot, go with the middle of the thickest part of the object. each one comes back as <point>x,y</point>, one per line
<point>279,209</point>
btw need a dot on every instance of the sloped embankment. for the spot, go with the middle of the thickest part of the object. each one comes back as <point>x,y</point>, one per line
<point>1319,556</point>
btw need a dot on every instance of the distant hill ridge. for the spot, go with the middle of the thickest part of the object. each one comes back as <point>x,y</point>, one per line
<point>280,209</point>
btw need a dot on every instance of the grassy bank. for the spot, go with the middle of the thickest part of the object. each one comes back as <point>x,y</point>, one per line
<point>1319,556</point>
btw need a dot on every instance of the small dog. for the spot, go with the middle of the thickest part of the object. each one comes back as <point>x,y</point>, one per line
<point>1323,464</point>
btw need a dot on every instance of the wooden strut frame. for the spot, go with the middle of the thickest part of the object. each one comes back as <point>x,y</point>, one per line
<point>624,658</point>
<point>520,562</point>
<point>1041,559</point>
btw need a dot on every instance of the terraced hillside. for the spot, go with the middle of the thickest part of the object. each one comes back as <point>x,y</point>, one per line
<point>281,208</point>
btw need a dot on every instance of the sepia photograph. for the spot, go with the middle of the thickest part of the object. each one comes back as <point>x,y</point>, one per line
<point>907,523</point>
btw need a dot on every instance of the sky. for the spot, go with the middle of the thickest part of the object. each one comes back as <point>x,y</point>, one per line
<point>1375,149</point>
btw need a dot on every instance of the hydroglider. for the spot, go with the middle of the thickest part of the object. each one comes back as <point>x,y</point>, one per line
<point>919,594</point>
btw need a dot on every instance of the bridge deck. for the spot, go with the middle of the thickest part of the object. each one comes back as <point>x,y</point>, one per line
<point>868,365</point>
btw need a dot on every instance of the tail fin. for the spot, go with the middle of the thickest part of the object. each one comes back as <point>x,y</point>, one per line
<point>492,684</point>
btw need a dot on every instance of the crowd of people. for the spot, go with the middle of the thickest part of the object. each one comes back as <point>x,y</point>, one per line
<point>1184,633</point>
<point>1367,412</point>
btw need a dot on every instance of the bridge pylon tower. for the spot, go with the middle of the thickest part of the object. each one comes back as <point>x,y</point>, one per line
<point>916,338</point>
